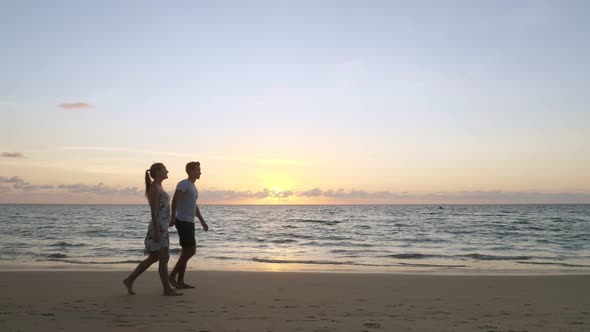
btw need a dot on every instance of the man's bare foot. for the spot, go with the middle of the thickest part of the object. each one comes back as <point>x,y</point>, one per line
<point>129,286</point>
<point>172,282</point>
<point>184,286</point>
<point>171,292</point>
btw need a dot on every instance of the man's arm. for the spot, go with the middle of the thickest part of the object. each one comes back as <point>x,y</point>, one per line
<point>203,223</point>
<point>175,198</point>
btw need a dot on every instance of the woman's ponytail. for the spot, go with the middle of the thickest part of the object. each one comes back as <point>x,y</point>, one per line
<point>148,182</point>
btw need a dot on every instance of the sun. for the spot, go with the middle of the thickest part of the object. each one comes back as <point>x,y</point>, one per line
<point>276,181</point>
<point>276,189</point>
<point>275,186</point>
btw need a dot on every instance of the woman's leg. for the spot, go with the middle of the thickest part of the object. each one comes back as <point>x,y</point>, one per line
<point>151,259</point>
<point>163,258</point>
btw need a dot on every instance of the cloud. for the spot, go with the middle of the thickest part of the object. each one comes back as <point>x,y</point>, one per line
<point>12,155</point>
<point>17,183</point>
<point>225,195</point>
<point>266,193</point>
<point>20,184</point>
<point>33,187</point>
<point>312,193</point>
<point>507,197</point>
<point>100,189</point>
<point>457,197</point>
<point>75,106</point>
<point>356,194</point>
<point>233,195</point>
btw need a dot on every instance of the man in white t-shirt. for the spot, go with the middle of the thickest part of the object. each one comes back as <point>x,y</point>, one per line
<point>184,210</point>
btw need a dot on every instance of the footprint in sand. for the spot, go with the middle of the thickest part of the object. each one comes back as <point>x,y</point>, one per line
<point>487,327</point>
<point>372,325</point>
<point>121,322</point>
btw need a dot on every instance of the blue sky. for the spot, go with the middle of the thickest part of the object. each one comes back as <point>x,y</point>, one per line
<point>420,97</point>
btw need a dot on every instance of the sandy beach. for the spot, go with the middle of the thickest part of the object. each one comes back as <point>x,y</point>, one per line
<point>267,301</point>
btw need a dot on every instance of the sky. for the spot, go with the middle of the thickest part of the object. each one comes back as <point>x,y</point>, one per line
<point>296,102</point>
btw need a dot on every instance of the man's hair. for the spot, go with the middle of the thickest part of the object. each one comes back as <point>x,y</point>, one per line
<point>192,165</point>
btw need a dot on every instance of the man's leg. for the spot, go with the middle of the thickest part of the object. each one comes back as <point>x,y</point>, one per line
<point>181,236</point>
<point>186,234</point>
<point>188,251</point>
<point>180,268</point>
<point>186,254</point>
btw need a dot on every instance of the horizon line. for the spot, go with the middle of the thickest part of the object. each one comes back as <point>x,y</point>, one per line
<point>328,204</point>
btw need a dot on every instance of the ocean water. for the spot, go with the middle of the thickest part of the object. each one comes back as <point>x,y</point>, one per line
<point>451,239</point>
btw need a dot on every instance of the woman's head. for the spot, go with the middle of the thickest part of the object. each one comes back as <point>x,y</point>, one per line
<point>158,172</point>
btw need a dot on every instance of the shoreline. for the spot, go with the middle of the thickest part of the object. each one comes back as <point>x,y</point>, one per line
<point>293,301</point>
<point>39,267</point>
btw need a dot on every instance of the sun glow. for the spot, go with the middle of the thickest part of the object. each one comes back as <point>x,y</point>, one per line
<point>275,180</point>
<point>276,187</point>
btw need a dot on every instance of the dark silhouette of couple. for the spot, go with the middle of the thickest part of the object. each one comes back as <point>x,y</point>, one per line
<point>182,215</point>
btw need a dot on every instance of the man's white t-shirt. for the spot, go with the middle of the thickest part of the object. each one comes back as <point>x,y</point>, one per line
<point>186,205</point>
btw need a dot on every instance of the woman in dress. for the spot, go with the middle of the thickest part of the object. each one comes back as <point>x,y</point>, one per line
<point>156,240</point>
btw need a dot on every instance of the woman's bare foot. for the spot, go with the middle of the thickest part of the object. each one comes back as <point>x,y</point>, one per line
<point>184,286</point>
<point>129,285</point>
<point>171,292</point>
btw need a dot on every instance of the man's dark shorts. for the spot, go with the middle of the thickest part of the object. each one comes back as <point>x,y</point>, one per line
<point>186,233</point>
